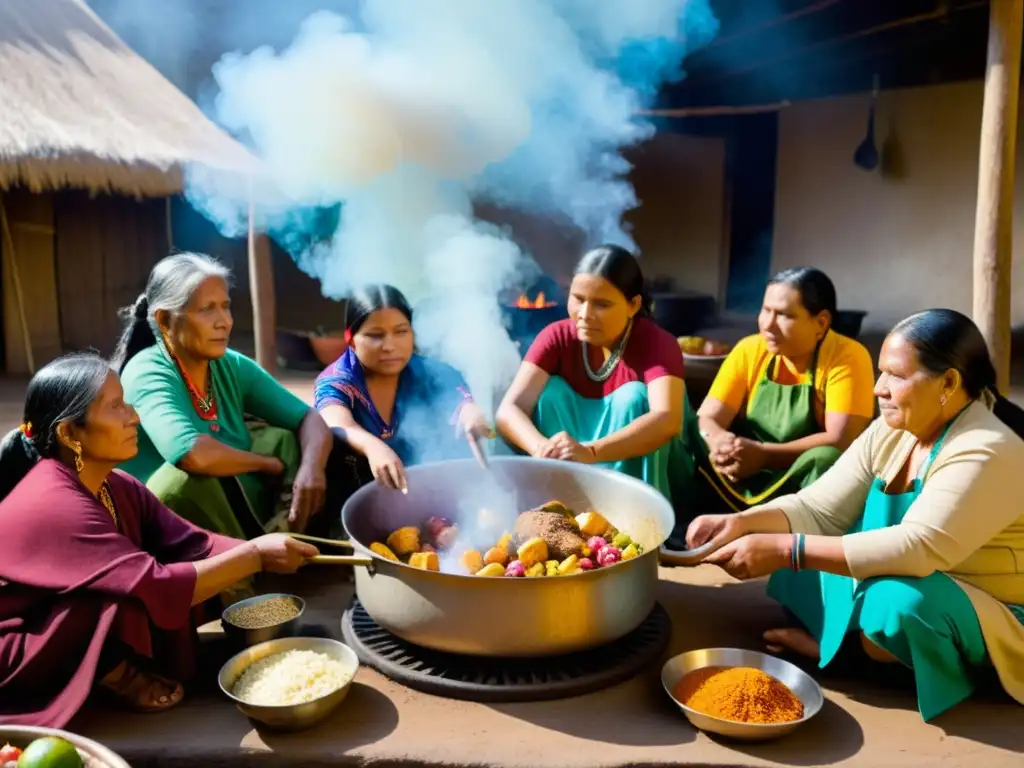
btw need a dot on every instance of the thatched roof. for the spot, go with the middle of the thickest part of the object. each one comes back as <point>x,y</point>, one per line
<point>79,108</point>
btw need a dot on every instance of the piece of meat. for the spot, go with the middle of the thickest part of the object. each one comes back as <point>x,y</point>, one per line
<point>557,529</point>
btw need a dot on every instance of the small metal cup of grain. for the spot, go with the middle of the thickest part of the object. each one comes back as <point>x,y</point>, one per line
<point>261,618</point>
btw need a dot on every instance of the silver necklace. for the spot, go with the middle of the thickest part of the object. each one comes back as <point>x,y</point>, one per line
<point>605,370</point>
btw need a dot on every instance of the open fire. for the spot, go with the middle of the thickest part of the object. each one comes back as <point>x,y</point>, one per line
<point>540,302</point>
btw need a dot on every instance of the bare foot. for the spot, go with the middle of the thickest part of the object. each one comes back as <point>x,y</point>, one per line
<point>793,639</point>
<point>142,691</point>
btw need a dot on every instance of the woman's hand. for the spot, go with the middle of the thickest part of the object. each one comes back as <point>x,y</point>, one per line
<point>386,466</point>
<point>564,447</point>
<point>280,553</point>
<point>273,466</point>
<point>754,555</point>
<point>720,448</point>
<point>473,422</point>
<point>746,457</point>
<point>721,529</point>
<point>308,493</point>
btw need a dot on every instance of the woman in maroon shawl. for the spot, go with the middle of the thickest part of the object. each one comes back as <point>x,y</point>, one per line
<point>97,578</point>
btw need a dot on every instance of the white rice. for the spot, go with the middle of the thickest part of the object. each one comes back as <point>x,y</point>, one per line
<point>290,677</point>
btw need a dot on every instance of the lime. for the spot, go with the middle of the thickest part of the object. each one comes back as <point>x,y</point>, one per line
<point>50,752</point>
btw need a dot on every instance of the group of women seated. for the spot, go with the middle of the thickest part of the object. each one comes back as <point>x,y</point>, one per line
<point>899,535</point>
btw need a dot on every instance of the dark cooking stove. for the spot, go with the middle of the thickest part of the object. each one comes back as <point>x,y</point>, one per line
<point>535,308</point>
<point>474,678</point>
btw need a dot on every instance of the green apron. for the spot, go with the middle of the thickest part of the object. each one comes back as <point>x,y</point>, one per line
<point>928,623</point>
<point>778,413</point>
<point>561,409</point>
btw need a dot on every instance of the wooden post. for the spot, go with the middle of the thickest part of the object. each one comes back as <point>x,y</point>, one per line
<point>993,231</point>
<point>261,287</point>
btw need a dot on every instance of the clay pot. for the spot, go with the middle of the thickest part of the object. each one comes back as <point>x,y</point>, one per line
<point>328,348</point>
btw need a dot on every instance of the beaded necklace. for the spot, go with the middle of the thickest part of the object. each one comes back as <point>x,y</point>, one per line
<point>108,502</point>
<point>204,405</point>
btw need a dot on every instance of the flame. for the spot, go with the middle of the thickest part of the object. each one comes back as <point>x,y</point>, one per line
<point>540,302</point>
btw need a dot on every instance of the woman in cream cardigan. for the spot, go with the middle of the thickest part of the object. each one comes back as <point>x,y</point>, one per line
<point>913,542</point>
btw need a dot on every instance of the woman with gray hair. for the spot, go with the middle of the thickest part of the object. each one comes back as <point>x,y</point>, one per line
<point>200,450</point>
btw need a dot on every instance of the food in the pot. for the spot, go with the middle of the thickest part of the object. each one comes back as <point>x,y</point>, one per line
<point>494,569</point>
<point>496,556</point>
<point>405,541</point>
<point>593,524</point>
<point>608,555</point>
<point>50,752</point>
<point>741,694</point>
<point>290,677</point>
<point>428,561</point>
<point>434,526</point>
<point>571,564</point>
<point>471,561</point>
<point>545,541</point>
<point>557,529</point>
<point>263,613</point>
<point>380,549</point>
<point>447,537</point>
<point>533,551</point>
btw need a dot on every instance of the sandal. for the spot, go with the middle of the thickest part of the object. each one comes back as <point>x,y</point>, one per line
<point>141,691</point>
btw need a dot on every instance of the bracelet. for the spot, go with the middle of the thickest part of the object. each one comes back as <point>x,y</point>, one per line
<point>796,557</point>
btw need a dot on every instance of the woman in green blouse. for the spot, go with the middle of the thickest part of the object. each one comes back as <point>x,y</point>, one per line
<point>222,443</point>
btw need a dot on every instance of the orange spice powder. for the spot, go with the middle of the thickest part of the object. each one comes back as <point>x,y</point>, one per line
<point>741,694</point>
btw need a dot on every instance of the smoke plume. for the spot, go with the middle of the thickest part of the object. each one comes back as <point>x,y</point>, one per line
<point>410,112</point>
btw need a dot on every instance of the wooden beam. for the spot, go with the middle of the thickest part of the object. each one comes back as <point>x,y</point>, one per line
<point>751,109</point>
<point>940,13</point>
<point>807,10</point>
<point>993,229</point>
<point>261,288</point>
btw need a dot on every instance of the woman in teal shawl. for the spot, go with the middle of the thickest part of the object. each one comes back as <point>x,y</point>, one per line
<point>605,386</point>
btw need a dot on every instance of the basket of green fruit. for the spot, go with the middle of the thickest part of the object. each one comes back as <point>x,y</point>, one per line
<point>29,747</point>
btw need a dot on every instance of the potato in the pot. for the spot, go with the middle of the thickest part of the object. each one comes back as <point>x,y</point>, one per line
<point>428,561</point>
<point>471,561</point>
<point>404,541</point>
<point>382,550</point>
<point>533,551</point>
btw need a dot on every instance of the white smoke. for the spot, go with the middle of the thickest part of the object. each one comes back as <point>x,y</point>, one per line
<point>408,116</point>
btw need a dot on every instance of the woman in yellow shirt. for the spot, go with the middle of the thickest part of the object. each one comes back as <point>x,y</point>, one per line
<point>786,402</point>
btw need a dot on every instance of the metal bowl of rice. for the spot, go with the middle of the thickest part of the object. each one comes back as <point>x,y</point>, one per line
<point>290,683</point>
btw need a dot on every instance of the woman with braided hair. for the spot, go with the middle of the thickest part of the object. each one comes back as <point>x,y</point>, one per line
<point>222,443</point>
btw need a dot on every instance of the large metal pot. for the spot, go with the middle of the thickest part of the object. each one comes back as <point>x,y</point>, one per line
<point>503,616</point>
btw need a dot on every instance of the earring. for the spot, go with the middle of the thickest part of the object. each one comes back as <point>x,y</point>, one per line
<point>76,447</point>
<point>942,400</point>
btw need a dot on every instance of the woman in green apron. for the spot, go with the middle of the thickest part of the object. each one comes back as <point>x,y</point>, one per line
<point>222,443</point>
<point>786,402</point>
<point>604,386</point>
<point>911,544</point>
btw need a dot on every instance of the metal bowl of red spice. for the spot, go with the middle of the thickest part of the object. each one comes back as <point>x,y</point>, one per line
<point>740,694</point>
